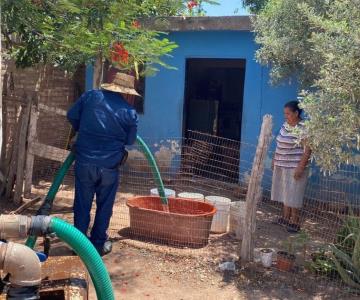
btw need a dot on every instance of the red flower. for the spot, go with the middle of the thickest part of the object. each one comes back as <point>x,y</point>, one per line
<point>192,4</point>
<point>125,57</point>
<point>135,24</point>
<point>119,54</point>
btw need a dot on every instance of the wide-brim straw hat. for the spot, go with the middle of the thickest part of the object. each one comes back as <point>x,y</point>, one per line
<point>122,83</point>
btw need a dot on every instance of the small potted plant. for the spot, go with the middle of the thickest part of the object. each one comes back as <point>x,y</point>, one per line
<point>266,255</point>
<point>286,258</point>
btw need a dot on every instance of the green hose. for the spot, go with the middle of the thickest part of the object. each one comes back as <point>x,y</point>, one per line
<point>88,254</point>
<point>59,178</point>
<point>154,168</point>
<point>46,207</point>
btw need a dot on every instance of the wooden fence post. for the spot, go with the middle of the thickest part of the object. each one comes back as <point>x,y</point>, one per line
<point>34,115</point>
<point>3,123</point>
<point>11,165</point>
<point>21,155</point>
<point>253,194</point>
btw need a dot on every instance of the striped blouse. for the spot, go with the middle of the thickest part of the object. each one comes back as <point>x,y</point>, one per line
<point>288,151</point>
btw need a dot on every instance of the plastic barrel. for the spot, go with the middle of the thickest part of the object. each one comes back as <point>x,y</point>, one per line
<point>221,219</point>
<point>191,196</point>
<point>237,216</point>
<point>168,192</point>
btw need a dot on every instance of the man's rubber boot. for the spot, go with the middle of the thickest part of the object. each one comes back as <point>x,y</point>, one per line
<point>106,248</point>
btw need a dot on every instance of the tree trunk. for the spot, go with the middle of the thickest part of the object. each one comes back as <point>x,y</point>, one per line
<point>98,72</point>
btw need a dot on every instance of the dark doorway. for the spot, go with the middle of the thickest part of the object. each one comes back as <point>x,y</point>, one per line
<point>213,107</point>
<point>214,96</point>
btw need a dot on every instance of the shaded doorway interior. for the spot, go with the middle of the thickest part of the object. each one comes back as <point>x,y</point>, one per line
<point>213,106</point>
<point>214,96</point>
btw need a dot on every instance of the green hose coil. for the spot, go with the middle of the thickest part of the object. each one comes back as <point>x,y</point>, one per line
<point>88,254</point>
<point>48,202</point>
<point>154,168</point>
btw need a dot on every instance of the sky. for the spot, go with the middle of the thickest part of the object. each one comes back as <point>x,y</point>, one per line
<point>226,8</point>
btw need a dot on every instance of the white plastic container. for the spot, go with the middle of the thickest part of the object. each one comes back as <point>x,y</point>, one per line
<point>221,218</point>
<point>192,196</point>
<point>168,192</point>
<point>237,217</point>
<point>266,257</point>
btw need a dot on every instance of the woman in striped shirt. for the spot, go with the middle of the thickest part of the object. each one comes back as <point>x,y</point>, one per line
<point>290,170</point>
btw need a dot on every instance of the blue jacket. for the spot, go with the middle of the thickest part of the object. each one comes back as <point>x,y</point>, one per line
<point>105,123</point>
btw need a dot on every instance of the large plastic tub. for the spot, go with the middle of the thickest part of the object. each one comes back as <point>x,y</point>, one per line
<point>187,224</point>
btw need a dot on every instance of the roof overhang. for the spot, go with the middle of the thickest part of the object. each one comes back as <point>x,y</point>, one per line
<point>174,24</point>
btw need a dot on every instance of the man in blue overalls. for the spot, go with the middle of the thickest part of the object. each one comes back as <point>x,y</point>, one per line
<point>105,123</point>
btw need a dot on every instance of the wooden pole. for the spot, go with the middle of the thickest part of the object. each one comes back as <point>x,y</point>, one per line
<point>26,205</point>
<point>253,194</point>
<point>2,119</point>
<point>22,153</point>
<point>13,154</point>
<point>34,115</point>
<point>98,72</point>
<point>3,116</point>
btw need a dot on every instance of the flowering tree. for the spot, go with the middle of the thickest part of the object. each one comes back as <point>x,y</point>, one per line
<point>68,33</point>
<point>318,41</point>
<point>196,8</point>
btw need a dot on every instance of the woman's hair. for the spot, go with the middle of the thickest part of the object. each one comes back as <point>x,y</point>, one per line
<point>294,106</point>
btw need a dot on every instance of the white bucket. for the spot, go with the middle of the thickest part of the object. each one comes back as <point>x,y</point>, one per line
<point>237,217</point>
<point>168,192</point>
<point>221,218</point>
<point>266,257</point>
<point>192,196</point>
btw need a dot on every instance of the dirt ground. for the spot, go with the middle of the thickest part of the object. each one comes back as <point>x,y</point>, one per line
<point>144,274</point>
<point>141,270</point>
<point>150,273</point>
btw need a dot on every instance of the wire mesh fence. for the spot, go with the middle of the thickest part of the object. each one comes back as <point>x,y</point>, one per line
<point>202,166</point>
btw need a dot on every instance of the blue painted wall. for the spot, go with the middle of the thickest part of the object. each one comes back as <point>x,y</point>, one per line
<point>164,96</point>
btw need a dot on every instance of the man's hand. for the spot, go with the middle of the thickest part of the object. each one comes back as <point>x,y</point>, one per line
<point>72,143</point>
<point>299,172</point>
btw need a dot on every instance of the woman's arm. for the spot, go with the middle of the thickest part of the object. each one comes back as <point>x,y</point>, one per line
<point>303,163</point>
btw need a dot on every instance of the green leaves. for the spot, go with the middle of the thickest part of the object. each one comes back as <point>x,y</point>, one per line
<point>69,33</point>
<point>319,43</point>
<point>349,266</point>
<point>255,6</point>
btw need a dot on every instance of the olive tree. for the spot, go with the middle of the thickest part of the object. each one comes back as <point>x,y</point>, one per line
<point>318,42</point>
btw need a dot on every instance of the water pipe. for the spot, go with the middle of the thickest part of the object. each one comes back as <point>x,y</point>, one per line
<point>24,266</point>
<point>46,207</point>
<point>155,170</point>
<point>42,225</point>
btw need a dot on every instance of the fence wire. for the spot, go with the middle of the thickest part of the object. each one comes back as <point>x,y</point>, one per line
<point>213,166</point>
